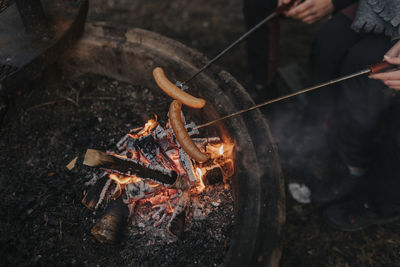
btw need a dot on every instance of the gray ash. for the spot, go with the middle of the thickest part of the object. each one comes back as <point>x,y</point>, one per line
<point>204,242</point>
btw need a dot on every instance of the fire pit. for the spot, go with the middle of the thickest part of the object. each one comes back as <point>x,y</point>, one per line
<point>129,56</point>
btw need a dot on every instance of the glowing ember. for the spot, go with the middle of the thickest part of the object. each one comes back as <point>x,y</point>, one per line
<point>153,149</point>
<point>148,127</point>
<point>199,173</point>
<point>124,180</point>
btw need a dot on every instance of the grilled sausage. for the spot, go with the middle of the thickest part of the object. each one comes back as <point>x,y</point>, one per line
<point>173,91</point>
<point>181,134</point>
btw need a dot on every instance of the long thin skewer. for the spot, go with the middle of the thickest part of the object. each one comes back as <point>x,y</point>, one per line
<point>271,16</point>
<point>279,10</point>
<point>362,72</point>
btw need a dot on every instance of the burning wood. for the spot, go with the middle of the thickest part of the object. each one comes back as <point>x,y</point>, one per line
<point>96,158</point>
<point>93,192</point>
<point>152,168</point>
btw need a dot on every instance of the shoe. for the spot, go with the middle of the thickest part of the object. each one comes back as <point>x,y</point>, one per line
<point>337,185</point>
<point>355,215</point>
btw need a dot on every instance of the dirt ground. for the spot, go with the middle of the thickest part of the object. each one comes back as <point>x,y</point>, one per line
<point>207,26</point>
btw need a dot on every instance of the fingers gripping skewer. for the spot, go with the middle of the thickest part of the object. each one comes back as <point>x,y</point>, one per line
<point>379,67</point>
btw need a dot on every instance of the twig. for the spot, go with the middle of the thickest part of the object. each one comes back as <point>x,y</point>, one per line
<point>42,105</point>
<point>72,101</point>
<point>60,230</point>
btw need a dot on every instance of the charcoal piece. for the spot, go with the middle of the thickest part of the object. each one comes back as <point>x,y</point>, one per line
<point>96,158</point>
<point>213,176</point>
<point>177,224</point>
<point>148,148</point>
<point>92,194</point>
<point>111,225</point>
<point>139,190</point>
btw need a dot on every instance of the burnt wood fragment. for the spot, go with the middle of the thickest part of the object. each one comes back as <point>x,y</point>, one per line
<point>96,158</point>
<point>110,227</point>
<point>213,176</point>
<point>177,224</point>
<point>148,148</point>
<point>92,193</point>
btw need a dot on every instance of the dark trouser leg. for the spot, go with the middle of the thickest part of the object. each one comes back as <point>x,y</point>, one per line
<point>360,104</point>
<point>258,43</point>
<point>330,47</point>
<point>384,190</point>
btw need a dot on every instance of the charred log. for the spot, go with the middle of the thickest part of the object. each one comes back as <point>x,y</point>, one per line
<point>148,148</point>
<point>93,192</point>
<point>96,158</point>
<point>110,227</point>
<point>177,223</point>
<point>213,176</point>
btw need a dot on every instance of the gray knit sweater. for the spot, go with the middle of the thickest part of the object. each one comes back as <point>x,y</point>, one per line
<point>378,16</point>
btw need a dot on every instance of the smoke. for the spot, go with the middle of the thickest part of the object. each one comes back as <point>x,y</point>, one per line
<point>301,140</point>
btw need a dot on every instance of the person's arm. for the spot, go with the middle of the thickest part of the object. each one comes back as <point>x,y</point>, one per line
<point>391,78</point>
<point>311,11</point>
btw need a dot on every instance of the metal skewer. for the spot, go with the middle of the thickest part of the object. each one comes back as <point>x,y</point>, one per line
<point>372,69</point>
<point>279,10</point>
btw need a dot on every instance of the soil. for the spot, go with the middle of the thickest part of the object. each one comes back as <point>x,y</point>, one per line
<point>42,221</point>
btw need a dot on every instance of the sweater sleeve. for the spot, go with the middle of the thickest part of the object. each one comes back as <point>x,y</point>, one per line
<point>340,4</point>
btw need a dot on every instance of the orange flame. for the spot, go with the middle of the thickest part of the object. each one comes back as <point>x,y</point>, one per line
<point>199,173</point>
<point>148,127</point>
<point>122,181</point>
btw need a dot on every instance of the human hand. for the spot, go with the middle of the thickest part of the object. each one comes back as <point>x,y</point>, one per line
<point>310,11</point>
<point>391,78</point>
<point>283,2</point>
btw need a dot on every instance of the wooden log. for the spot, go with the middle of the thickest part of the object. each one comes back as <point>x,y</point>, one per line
<point>96,158</point>
<point>92,193</point>
<point>111,225</point>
